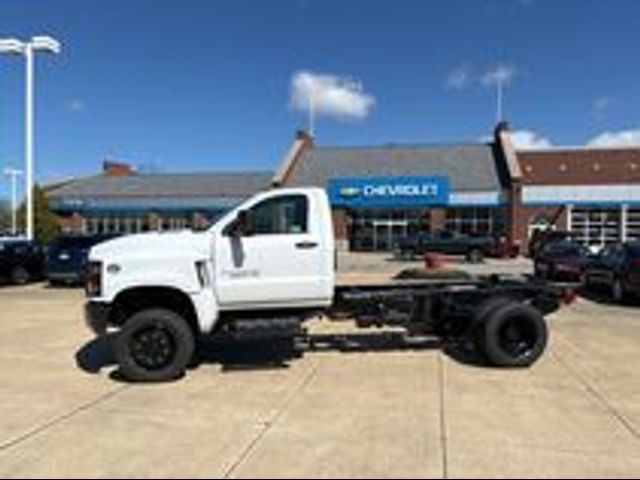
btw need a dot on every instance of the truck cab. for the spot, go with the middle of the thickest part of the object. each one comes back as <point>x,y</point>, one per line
<point>273,253</point>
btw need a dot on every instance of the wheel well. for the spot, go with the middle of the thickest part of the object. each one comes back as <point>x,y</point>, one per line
<point>130,302</point>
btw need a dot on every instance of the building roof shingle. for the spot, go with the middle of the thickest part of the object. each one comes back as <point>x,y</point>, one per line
<point>172,185</point>
<point>468,167</point>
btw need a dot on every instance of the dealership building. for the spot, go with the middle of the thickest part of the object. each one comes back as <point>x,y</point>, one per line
<point>381,193</point>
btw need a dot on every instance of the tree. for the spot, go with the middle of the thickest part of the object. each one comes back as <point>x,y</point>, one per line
<point>5,217</point>
<point>46,227</point>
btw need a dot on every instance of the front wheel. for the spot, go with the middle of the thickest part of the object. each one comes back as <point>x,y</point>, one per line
<point>515,335</point>
<point>20,276</point>
<point>618,292</point>
<point>154,345</point>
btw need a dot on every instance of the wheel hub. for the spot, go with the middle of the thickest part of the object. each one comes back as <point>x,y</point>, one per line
<point>518,338</point>
<point>153,348</point>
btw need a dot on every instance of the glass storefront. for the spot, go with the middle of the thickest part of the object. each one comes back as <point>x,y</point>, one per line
<point>380,229</point>
<point>477,221</point>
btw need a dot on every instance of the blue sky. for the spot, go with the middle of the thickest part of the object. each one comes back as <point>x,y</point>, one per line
<point>184,85</point>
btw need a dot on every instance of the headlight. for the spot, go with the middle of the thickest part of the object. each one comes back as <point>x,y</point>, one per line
<point>93,283</point>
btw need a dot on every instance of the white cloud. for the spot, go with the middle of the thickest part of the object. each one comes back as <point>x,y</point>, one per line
<point>459,78</point>
<point>600,107</point>
<point>332,95</point>
<point>621,138</point>
<point>76,105</point>
<point>529,140</point>
<point>500,74</point>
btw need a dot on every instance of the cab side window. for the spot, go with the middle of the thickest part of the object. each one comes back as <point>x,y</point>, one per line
<point>281,216</point>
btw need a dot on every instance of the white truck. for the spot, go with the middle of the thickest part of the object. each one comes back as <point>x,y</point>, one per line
<point>269,265</point>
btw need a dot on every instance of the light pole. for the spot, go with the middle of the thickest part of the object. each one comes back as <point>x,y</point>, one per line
<point>499,100</point>
<point>28,49</point>
<point>13,174</point>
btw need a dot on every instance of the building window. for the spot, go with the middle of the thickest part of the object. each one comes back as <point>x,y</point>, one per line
<point>633,224</point>
<point>115,225</point>
<point>178,223</point>
<point>476,221</point>
<point>380,229</point>
<point>597,227</point>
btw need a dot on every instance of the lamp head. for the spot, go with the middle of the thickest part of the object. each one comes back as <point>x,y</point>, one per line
<point>11,45</point>
<point>46,43</point>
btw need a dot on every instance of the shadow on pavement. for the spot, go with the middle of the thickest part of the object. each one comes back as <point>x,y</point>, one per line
<point>97,354</point>
<point>601,296</point>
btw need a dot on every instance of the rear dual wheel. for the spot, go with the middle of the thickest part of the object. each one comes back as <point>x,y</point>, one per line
<point>511,334</point>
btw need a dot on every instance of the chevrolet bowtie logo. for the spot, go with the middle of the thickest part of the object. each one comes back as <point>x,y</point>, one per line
<point>349,192</point>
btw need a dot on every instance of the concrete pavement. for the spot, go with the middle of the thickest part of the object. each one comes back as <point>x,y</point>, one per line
<point>372,412</point>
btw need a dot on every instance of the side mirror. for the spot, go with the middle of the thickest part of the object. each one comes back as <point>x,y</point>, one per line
<point>243,225</point>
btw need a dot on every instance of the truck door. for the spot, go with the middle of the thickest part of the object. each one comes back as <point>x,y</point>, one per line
<point>280,261</point>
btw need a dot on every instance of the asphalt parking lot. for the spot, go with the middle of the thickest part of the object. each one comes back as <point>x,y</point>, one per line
<point>378,411</point>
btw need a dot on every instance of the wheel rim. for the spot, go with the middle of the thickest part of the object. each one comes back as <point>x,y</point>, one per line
<point>153,348</point>
<point>618,294</point>
<point>518,338</point>
<point>20,276</point>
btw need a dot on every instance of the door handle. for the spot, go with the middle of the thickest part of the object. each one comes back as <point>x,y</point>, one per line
<point>306,244</point>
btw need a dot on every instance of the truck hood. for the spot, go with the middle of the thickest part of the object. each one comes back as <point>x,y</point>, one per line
<point>157,244</point>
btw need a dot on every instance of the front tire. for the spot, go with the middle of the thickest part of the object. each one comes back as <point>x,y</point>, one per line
<point>515,335</point>
<point>617,291</point>
<point>154,345</point>
<point>20,276</point>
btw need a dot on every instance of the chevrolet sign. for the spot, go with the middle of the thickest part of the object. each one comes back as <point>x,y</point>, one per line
<point>389,191</point>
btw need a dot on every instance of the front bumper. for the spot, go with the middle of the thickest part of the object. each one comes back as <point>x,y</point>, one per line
<point>96,316</point>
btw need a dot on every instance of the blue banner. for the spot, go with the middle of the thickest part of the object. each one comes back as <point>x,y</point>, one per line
<point>389,192</point>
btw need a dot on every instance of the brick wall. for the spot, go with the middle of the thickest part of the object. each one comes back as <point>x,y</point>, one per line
<point>581,166</point>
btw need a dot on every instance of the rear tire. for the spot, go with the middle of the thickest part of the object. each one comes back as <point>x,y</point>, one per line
<point>482,313</point>
<point>154,345</point>
<point>515,335</point>
<point>20,275</point>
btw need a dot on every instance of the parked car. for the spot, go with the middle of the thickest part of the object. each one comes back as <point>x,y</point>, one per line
<point>474,248</point>
<point>541,238</point>
<point>67,258</point>
<point>562,261</point>
<point>616,269</point>
<point>21,261</point>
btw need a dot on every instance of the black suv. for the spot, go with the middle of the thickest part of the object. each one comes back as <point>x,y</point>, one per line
<point>616,269</point>
<point>21,261</point>
<point>67,258</point>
